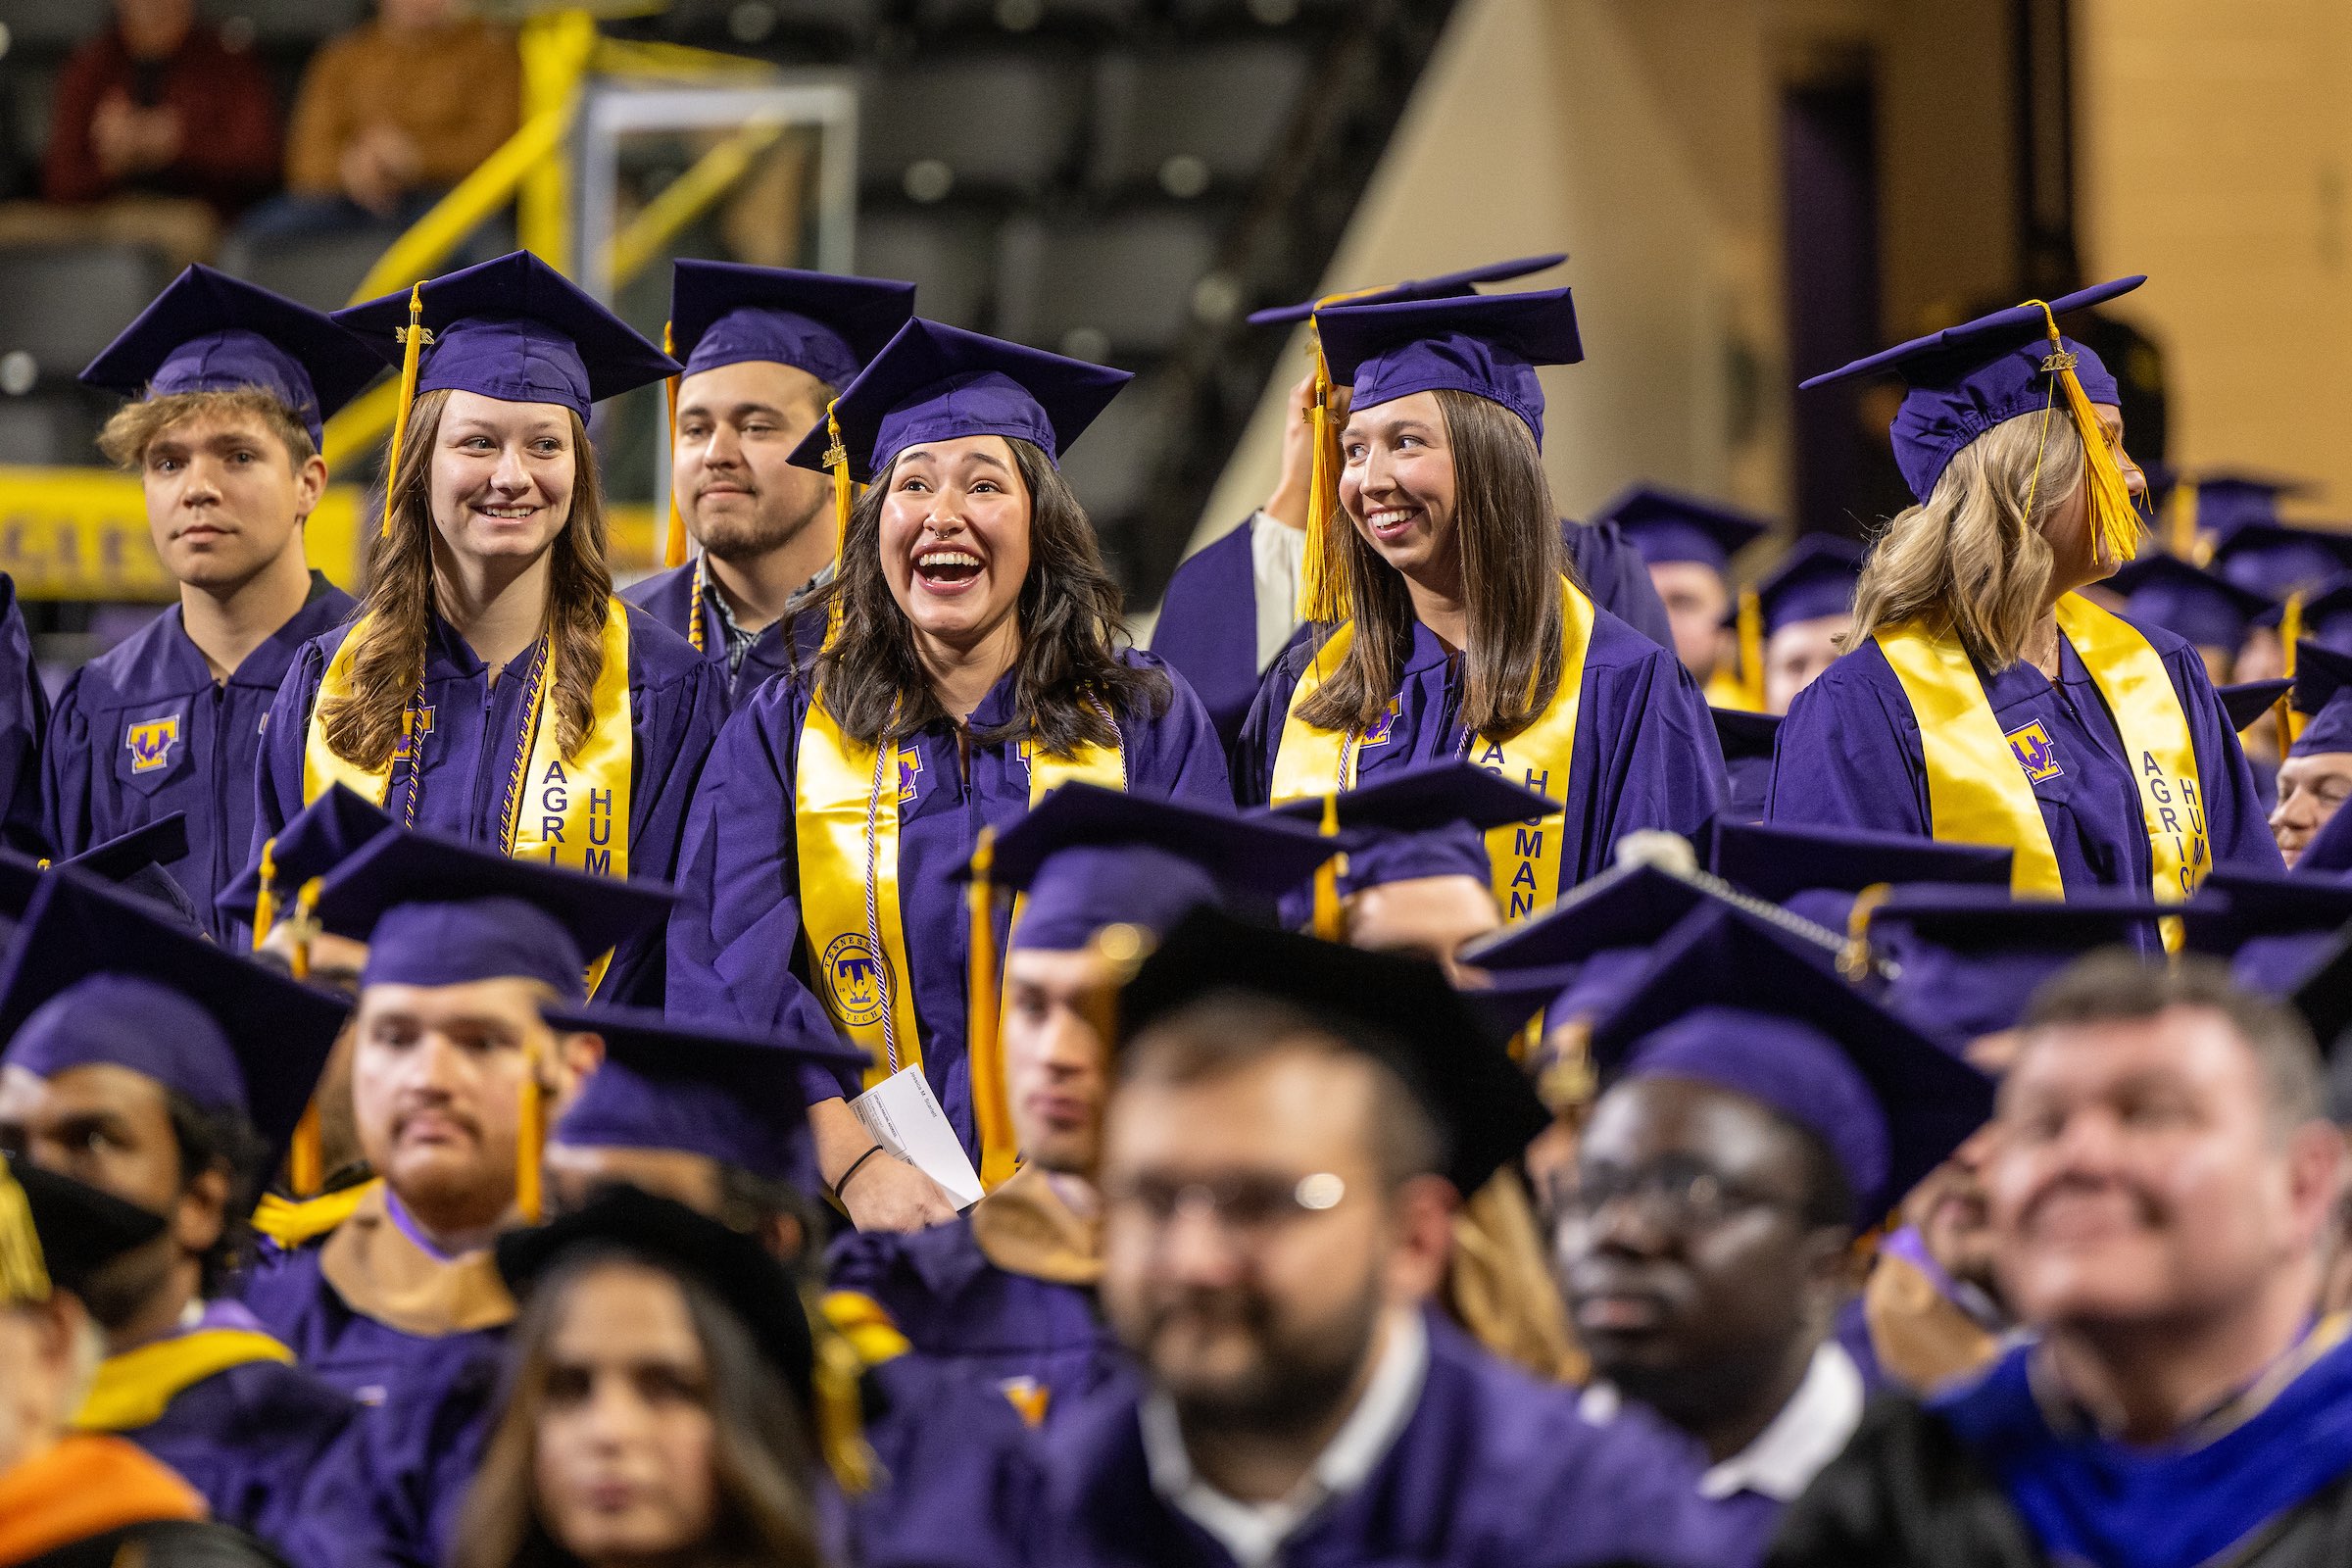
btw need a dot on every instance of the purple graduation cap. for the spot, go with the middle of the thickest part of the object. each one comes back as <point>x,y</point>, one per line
<point>2275,559</point>
<point>1967,378</point>
<point>134,862</point>
<point>1817,871</point>
<point>317,839</point>
<point>1487,345</point>
<point>1428,820</point>
<point>1667,525</point>
<point>933,383</point>
<point>725,313</point>
<point>1444,287</point>
<point>439,912</point>
<point>514,329</point>
<point>2322,690</point>
<point>1090,857</point>
<point>2228,499</point>
<point>694,1087</point>
<point>2248,700</point>
<point>1968,957</point>
<point>2324,616</point>
<point>1729,1001</point>
<point>97,977</point>
<point>2275,928</point>
<point>2206,608</point>
<point>1813,581</point>
<point>209,333</point>
<point>1398,1010</point>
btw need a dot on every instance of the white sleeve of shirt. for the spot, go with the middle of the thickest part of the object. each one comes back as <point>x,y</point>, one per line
<point>1277,556</point>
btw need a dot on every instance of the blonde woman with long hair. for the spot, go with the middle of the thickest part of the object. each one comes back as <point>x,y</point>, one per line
<point>491,686</point>
<point>1981,697</point>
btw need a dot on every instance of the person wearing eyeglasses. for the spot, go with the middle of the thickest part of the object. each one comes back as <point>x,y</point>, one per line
<point>1759,1113</point>
<point>1292,1124</point>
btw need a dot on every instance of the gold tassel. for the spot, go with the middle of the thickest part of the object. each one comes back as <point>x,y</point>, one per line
<point>673,544</point>
<point>2115,521</point>
<point>1854,961</point>
<point>530,1142</point>
<point>2180,520</point>
<point>1751,649</point>
<point>991,1104</point>
<point>840,1414</point>
<point>2291,632</point>
<point>1328,923</point>
<point>23,1272</point>
<point>837,460</point>
<point>1323,570</point>
<point>264,901</point>
<point>306,1160</point>
<point>414,337</point>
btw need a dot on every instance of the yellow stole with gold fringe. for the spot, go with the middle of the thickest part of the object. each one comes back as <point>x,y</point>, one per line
<point>1980,780</point>
<point>1526,858</point>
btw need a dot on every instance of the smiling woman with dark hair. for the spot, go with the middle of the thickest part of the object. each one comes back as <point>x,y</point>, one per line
<point>972,662</point>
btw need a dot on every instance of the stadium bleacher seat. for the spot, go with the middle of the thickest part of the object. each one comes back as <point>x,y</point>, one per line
<point>1029,16</point>
<point>950,258</point>
<point>1118,289</point>
<point>321,271</point>
<point>62,304</point>
<point>46,428</point>
<point>770,26</point>
<point>1196,119</point>
<point>279,25</point>
<point>993,123</point>
<point>56,25</point>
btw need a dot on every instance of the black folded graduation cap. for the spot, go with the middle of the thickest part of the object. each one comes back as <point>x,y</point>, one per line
<point>98,977</point>
<point>1397,1010</point>
<point>734,1268</point>
<point>66,1232</point>
<point>1729,1001</point>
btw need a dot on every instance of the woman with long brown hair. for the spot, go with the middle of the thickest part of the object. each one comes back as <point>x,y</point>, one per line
<point>1451,623</point>
<point>1981,697</point>
<point>492,687</point>
<point>972,662</point>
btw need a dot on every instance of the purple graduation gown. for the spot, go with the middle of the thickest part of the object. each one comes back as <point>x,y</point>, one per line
<point>25,732</point>
<point>677,699</point>
<point>250,1438</point>
<point>143,730</point>
<point>735,948</point>
<point>1207,626</point>
<point>1646,751</point>
<point>668,597</point>
<point>973,1317</point>
<point>1849,756</point>
<point>1492,1470</point>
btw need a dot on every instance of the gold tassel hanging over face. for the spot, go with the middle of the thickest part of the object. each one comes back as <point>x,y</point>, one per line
<point>413,338</point>
<point>836,462</point>
<point>673,543</point>
<point>2115,522</point>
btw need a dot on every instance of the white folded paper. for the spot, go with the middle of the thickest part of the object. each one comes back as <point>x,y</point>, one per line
<point>905,1118</point>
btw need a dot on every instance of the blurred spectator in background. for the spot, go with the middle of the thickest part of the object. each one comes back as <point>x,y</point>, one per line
<point>392,116</point>
<point>161,133</point>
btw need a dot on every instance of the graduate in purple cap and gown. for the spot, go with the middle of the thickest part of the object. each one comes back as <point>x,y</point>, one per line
<point>455,1076</point>
<point>231,389</point>
<point>765,349</point>
<point>1244,1122</point>
<point>1805,605</point>
<point>1458,631</point>
<point>161,1069</point>
<point>1006,1293</point>
<point>1758,1115</point>
<point>1231,608</point>
<point>972,663</point>
<point>2316,773</point>
<point>492,687</point>
<point>24,728</point>
<point>1686,544</point>
<point>2201,607</point>
<point>1986,699</point>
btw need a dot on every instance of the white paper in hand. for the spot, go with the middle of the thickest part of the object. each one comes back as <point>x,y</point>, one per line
<point>905,1118</point>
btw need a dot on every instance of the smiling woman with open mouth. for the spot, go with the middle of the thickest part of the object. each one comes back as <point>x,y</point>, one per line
<point>972,662</point>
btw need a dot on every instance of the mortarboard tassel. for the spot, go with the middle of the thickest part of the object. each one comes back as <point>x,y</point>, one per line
<point>1751,649</point>
<point>306,1160</point>
<point>673,544</point>
<point>24,1274</point>
<point>530,1142</point>
<point>264,901</point>
<point>2291,632</point>
<point>2181,522</point>
<point>413,338</point>
<point>991,1104</point>
<point>1854,961</point>
<point>841,1411</point>
<point>836,462</point>
<point>2114,520</point>
<point>1322,572</point>
<point>1328,924</point>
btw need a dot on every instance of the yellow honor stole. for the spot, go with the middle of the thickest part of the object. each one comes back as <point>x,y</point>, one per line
<point>1527,856</point>
<point>134,1390</point>
<point>1981,781</point>
<point>846,799</point>
<point>569,813</point>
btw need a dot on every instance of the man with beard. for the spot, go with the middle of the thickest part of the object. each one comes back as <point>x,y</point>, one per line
<point>168,1074</point>
<point>2159,1184</point>
<point>1292,1125</point>
<point>765,349</point>
<point>1759,1112</point>
<point>454,1074</point>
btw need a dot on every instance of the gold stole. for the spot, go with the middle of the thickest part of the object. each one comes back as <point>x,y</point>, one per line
<point>1978,788</point>
<point>134,1389</point>
<point>1527,856</point>
<point>290,1222</point>
<point>572,813</point>
<point>844,825</point>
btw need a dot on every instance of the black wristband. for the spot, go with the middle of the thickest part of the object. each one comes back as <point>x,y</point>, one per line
<point>856,1165</point>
